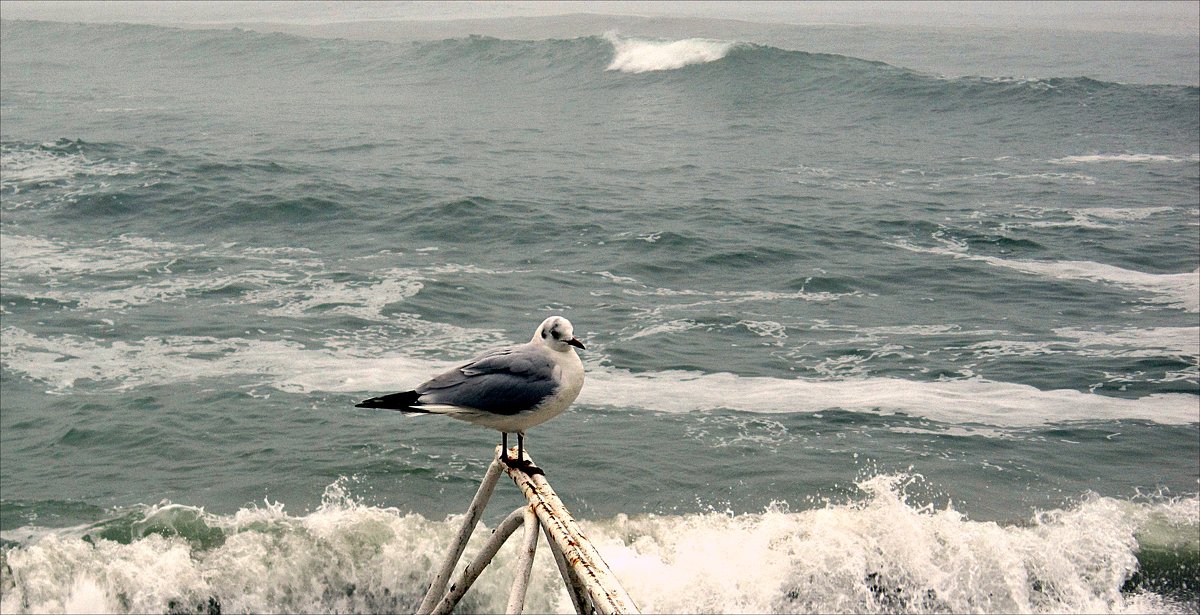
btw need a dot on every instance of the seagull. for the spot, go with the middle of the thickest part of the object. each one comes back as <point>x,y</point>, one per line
<point>507,389</point>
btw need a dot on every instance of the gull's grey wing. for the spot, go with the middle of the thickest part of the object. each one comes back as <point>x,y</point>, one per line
<point>506,381</point>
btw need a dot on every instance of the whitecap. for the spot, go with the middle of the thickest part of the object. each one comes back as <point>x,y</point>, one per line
<point>1134,158</point>
<point>360,365</point>
<point>879,550</point>
<point>24,169</point>
<point>968,400</point>
<point>673,326</point>
<point>633,55</point>
<point>1180,290</point>
<point>885,553</point>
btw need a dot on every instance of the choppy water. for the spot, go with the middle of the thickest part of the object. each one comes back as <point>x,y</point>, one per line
<point>860,337</point>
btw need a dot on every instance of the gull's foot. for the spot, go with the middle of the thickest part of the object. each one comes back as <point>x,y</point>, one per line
<point>524,465</point>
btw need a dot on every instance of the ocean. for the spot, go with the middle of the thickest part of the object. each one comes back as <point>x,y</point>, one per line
<point>877,319</point>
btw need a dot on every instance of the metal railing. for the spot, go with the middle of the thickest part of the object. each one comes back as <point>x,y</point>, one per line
<point>590,583</point>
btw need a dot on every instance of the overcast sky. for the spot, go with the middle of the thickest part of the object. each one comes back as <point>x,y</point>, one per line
<point>1177,17</point>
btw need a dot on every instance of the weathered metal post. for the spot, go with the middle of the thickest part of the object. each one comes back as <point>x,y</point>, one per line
<point>589,582</point>
<point>579,598</point>
<point>482,495</point>
<point>472,571</point>
<point>605,592</point>
<point>516,597</point>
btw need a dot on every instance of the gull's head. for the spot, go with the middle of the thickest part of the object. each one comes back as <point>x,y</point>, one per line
<point>556,333</point>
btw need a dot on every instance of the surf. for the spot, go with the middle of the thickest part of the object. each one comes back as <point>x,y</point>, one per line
<point>880,550</point>
<point>635,55</point>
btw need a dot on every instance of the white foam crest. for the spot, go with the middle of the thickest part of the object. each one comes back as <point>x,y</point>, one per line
<point>883,554</point>
<point>849,180</point>
<point>1052,177</point>
<point>915,330</point>
<point>766,328</point>
<point>291,286</point>
<point>129,109</point>
<point>284,281</point>
<point>344,557</point>
<point>632,55</point>
<point>729,297</point>
<point>1120,214</point>
<point>1156,342</point>
<point>44,268</point>
<point>858,365</point>
<point>22,167</point>
<point>886,332</point>
<point>973,400</point>
<point>1094,217</point>
<point>27,255</point>
<point>352,366</point>
<point>62,362</point>
<point>879,553</point>
<point>49,269</point>
<point>49,258</point>
<point>1136,158</point>
<point>616,279</point>
<point>1152,342</point>
<point>365,301</point>
<point>673,326</point>
<point>1181,290</point>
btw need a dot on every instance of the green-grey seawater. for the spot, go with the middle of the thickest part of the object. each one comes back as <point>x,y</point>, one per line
<point>861,337</point>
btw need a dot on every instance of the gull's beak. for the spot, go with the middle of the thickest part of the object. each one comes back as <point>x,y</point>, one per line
<point>576,343</point>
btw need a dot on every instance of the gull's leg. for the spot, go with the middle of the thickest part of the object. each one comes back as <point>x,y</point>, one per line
<point>520,461</point>
<point>526,465</point>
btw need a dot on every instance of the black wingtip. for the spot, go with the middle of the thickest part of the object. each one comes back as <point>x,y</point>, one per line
<point>396,401</point>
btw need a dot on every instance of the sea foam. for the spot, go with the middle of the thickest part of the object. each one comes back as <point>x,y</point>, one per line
<point>1180,290</point>
<point>632,55</point>
<point>47,165</point>
<point>61,362</point>
<point>971,400</point>
<point>1134,158</point>
<point>878,552</point>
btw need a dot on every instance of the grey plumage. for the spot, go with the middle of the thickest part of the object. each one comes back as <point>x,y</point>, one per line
<point>504,381</point>
<point>508,389</point>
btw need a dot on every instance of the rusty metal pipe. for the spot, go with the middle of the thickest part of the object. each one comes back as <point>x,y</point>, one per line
<point>575,590</point>
<point>516,596</point>
<point>438,587</point>
<point>604,591</point>
<point>471,572</point>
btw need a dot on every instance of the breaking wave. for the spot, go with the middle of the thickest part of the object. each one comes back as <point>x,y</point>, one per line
<point>880,552</point>
<point>632,55</point>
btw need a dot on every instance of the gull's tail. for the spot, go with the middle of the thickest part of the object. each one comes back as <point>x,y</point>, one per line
<point>404,402</point>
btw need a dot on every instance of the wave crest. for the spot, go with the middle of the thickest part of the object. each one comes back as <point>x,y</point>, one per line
<point>879,552</point>
<point>633,55</point>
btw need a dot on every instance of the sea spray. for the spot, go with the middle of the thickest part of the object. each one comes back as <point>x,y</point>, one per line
<point>879,552</point>
<point>344,556</point>
<point>633,55</point>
